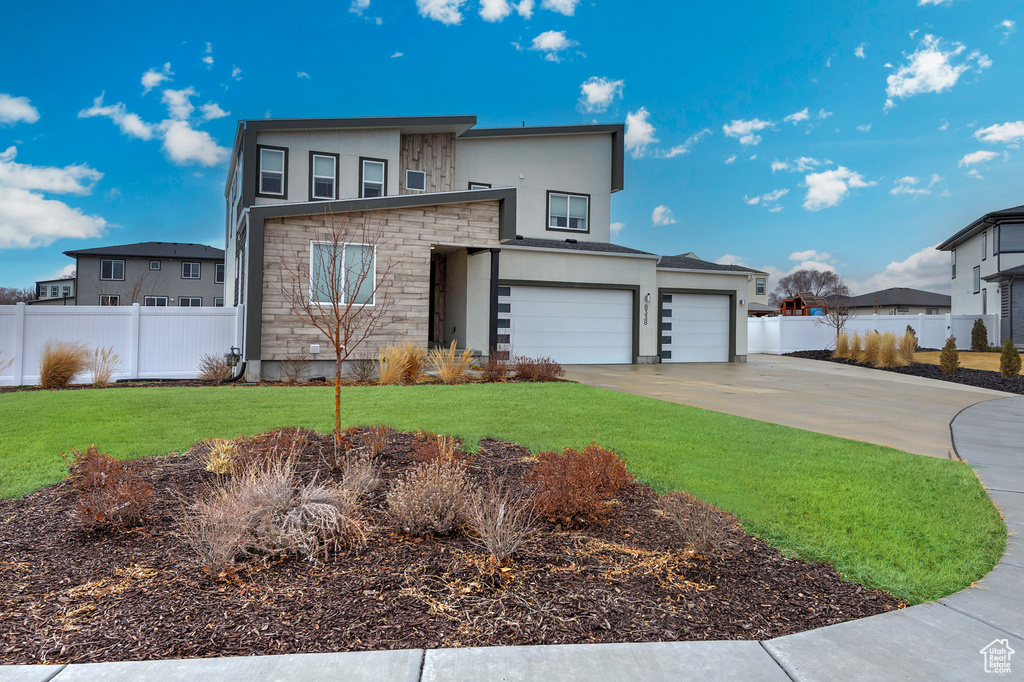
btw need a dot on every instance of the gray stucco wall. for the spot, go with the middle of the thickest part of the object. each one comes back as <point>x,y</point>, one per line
<point>1017,311</point>
<point>139,281</point>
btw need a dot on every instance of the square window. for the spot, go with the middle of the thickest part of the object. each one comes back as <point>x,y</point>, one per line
<point>504,324</point>
<point>272,168</point>
<point>154,265</point>
<point>666,298</point>
<point>218,273</point>
<point>667,312</point>
<point>350,269</point>
<point>666,355</point>
<point>666,326</point>
<point>323,176</point>
<point>373,177</point>
<point>415,180</point>
<point>112,269</point>
<point>190,301</point>
<point>568,211</point>
<point>218,301</point>
<point>504,291</point>
<point>666,340</point>
<point>155,301</point>
<point>190,270</point>
<point>108,299</point>
<point>504,307</point>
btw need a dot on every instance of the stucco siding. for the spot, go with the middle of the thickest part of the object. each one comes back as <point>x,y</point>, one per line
<point>668,279</point>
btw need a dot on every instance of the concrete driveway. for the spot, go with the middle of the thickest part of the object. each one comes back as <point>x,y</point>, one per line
<point>908,413</point>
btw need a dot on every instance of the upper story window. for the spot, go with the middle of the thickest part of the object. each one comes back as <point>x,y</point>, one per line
<point>984,245</point>
<point>416,180</point>
<point>761,285</point>
<point>112,269</point>
<point>190,270</point>
<point>42,291</point>
<point>273,162</point>
<point>953,255</point>
<point>154,265</point>
<point>54,291</point>
<point>218,273</point>
<point>1011,238</point>
<point>568,211</point>
<point>66,292</point>
<point>373,176</point>
<point>977,278</point>
<point>323,175</point>
<point>479,185</point>
<point>349,270</point>
<point>931,311</point>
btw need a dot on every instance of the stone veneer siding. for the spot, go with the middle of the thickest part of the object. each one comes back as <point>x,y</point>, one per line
<point>409,232</point>
<point>433,153</point>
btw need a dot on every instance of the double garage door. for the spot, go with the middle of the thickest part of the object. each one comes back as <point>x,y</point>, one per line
<point>695,327</point>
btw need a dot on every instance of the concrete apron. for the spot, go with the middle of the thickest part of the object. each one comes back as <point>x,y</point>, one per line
<point>908,413</point>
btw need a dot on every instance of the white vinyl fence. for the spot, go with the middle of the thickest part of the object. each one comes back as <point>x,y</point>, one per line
<point>152,342</point>
<point>778,335</point>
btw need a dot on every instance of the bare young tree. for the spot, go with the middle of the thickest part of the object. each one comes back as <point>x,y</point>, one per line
<point>341,288</point>
<point>818,282</point>
<point>838,312</point>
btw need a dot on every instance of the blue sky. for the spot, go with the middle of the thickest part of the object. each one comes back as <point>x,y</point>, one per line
<point>851,137</point>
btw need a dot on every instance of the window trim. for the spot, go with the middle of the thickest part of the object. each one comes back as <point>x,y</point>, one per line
<point>952,253</point>
<point>146,301</point>
<point>1000,228</point>
<point>984,246</point>
<point>478,185</point>
<point>995,240</point>
<point>112,299</point>
<point>111,278</point>
<point>413,189</point>
<point>362,162</point>
<point>259,172</point>
<point>977,279</point>
<point>218,301</point>
<point>760,286</point>
<point>373,298</point>
<point>312,177</point>
<point>198,265</point>
<point>190,298</point>
<point>154,262</point>
<point>55,291</point>
<point>41,293</point>
<point>218,279</point>
<point>547,222</point>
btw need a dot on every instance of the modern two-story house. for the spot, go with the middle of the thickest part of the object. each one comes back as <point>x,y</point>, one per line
<point>494,238</point>
<point>987,270</point>
<point>55,292</point>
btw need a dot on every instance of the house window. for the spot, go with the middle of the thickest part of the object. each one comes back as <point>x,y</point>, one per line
<point>273,161</point>
<point>190,301</point>
<point>218,273</point>
<point>953,254</point>
<point>977,278</point>
<point>112,269</point>
<point>373,176</point>
<point>323,176</point>
<point>1011,238</point>
<point>42,291</point>
<point>218,301</point>
<point>761,284</point>
<point>415,180</point>
<point>154,265</point>
<point>479,185</point>
<point>66,292</point>
<point>110,299</point>
<point>190,270</point>
<point>984,301</point>
<point>984,245</point>
<point>348,270</point>
<point>666,298</point>
<point>995,240</point>
<point>155,301</point>
<point>54,292</point>
<point>568,211</point>
<point>931,311</point>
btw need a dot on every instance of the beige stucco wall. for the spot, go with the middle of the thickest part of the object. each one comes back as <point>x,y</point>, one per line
<point>752,295</point>
<point>737,283</point>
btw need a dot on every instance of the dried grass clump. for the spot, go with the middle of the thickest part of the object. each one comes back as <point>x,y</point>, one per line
<point>889,352</point>
<point>495,370</point>
<point>360,476</point>
<point>362,369</point>
<point>244,453</point>
<point>110,494</point>
<point>61,361</point>
<point>377,438</point>
<point>451,369</point>
<point>435,448</point>
<point>537,369</point>
<point>869,354</point>
<point>949,357</point>
<point>501,519</point>
<point>908,345</point>
<point>102,364</point>
<point>842,346</point>
<point>856,344</point>
<point>214,368</point>
<point>704,527</point>
<point>431,499</point>
<point>295,366</point>
<point>574,489</point>
<point>401,364</point>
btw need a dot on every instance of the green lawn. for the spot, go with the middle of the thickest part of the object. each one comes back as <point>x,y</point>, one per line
<point>916,526</point>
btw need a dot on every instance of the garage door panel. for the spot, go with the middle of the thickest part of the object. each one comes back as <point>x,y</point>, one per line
<point>699,328</point>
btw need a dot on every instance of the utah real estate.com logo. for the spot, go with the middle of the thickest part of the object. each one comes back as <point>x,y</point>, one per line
<point>997,656</point>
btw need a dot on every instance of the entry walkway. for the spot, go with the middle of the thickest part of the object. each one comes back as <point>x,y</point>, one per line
<point>904,412</point>
<point>941,640</point>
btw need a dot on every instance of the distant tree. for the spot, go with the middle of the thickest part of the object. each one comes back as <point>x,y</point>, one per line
<point>818,282</point>
<point>70,275</point>
<point>838,312</point>
<point>10,296</point>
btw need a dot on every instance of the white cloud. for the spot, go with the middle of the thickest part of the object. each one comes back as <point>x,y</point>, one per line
<point>908,185</point>
<point>209,48</point>
<point>662,215</point>
<point>185,145</point>
<point>731,159</point>
<point>178,104</point>
<point>617,228</point>
<point>396,55</point>
<point>730,259</point>
<point>931,69</point>
<point>494,10</point>
<point>977,157</point>
<point>639,133</point>
<point>931,2</point>
<point>859,50</point>
<point>566,7</point>
<point>76,179</point>
<point>769,200</point>
<point>828,188</point>
<point>445,11</point>
<point>684,148</point>
<point>1009,28</point>
<point>779,165</point>
<point>597,93</point>
<point>927,269</point>
<point>552,42</point>
<point>1011,132</point>
<point>822,114</point>
<point>236,73</point>
<point>359,6</point>
<point>212,110</point>
<point>14,109</point>
<point>799,165</point>
<point>208,60</point>
<point>798,116</point>
<point>975,174</point>
<point>944,126</point>
<point>806,265</point>
<point>302,75</point>
<point>153,78</point>
<point>525,8</point>
<point>745,130</point>
<point>130,124</point>
<point>866,128</point>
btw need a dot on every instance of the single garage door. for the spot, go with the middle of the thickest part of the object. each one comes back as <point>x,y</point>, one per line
<point>695,328</point>
<point>571,326</point>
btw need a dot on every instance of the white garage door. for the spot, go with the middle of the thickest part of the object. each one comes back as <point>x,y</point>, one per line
<point>571,326</point>
<point>695,328</point>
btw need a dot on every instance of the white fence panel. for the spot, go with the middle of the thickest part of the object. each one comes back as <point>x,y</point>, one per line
<point>151,342</point>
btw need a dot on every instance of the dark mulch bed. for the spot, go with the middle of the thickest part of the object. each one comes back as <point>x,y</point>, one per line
<point>71,596</point>
<point>968,377</point>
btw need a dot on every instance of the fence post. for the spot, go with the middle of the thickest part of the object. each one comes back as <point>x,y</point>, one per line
<point>133,343</point>
<point>18,369</point>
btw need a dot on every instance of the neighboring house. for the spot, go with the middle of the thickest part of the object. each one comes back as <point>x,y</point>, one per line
<point>149,273</point>
<point>803,304</point>
<point>495,238</point>
<point>54,292</point>
<point>987,270</point>
<point>898,301</point>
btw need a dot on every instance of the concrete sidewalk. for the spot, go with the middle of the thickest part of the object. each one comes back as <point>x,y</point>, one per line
<point>904,412</point>
<point>937,641</point>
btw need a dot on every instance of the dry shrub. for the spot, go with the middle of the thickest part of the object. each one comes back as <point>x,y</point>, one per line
<point>842,346</point>
<point>61,361</point>
<point>295,366</point>
<point>376,439</point>
<point>889,352</point>
<point>855,346</point>
<point>360,476</point>
<point>431,498</point>
<point>336,453</point>
<point>449,369</point>
<point>537,369</point>
<point>214,367</point>
<point>363,370</point>
<point>435,448</point>
<point>501,519</point>
<point>949,357</point>
<point>869,355</point>
<point>495,370</point>
<point>1009,359</point>
<point>244,453</point>
<point>401,364</point>
<point>102,363</point>
<point>575,488</point>
<point>110,493</point>
<point>704,526</point>
<point>908,345</point>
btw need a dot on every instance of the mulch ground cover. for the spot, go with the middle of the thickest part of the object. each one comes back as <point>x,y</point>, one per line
<point>70,595</point>
<point>969,377</point>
